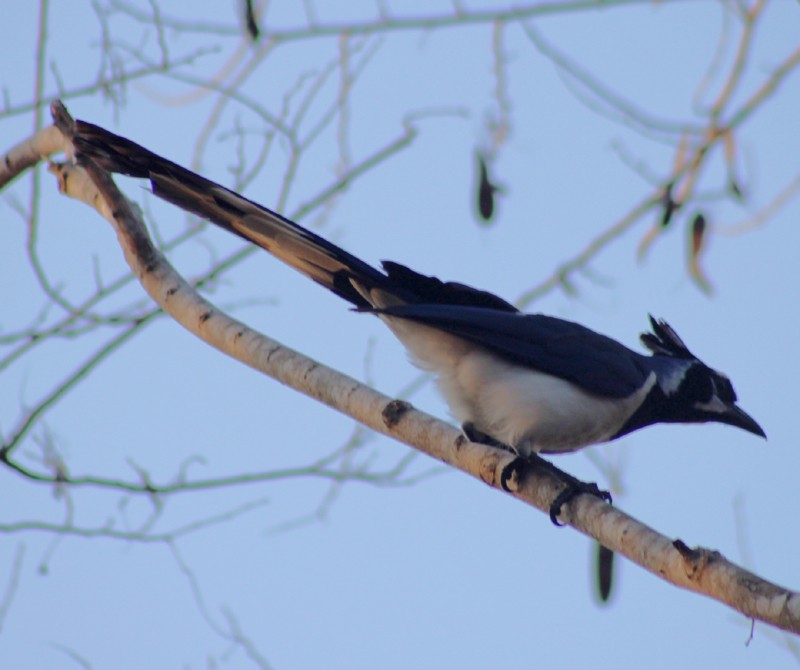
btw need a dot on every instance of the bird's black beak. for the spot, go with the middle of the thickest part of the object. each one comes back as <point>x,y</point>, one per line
<point>736,416</point>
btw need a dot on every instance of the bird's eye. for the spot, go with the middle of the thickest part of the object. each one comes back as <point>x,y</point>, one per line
<point>723,387</point>
<point>698,384</point>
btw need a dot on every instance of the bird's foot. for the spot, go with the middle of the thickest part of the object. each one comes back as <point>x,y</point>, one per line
<point>573,486</point>
<point>515,471</point>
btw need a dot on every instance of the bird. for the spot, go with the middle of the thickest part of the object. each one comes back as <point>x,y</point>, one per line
<point>529,383</point>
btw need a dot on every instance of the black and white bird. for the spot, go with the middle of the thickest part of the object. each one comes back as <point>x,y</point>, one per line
<point>535,383</point>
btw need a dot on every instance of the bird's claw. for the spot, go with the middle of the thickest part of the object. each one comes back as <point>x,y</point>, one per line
<point>573,486</point>
<point>512,471</point>
<point>570,492</point>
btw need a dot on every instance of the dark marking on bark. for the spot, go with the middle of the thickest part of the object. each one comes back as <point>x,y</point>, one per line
<point>309,371</point>
<point>686,552</point>
<point>394,411</point>
<point>205,316</point>
<point>695,560</point>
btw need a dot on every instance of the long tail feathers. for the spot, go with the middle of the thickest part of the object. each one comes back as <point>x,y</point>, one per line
<point>325,263</point>
<point>340,272</point>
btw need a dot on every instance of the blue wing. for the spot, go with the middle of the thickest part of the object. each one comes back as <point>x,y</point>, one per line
<point>594,362</point>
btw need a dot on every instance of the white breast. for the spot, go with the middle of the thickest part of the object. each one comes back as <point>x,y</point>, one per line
<point>521,407</point>
<point>533,411</point>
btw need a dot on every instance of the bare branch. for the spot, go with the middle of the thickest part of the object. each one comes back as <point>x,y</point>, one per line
<point>389,23</point>
<point>693,150</point>
<point>13,584</point>
<point>28,153</point>
<point>699,570</point>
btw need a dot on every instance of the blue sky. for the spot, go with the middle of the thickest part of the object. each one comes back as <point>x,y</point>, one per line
<point>444,572</point>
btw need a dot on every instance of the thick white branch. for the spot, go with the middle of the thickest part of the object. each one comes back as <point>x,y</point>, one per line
<point>699,570</point>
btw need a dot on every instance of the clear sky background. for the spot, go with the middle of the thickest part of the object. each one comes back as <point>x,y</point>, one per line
<point>443,572</point>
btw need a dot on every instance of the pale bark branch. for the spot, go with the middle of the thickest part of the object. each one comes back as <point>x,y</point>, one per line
<point>699,570</point>
<point>26,154</point>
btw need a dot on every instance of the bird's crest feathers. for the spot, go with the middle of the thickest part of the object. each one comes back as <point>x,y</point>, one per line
<point>665,341</point>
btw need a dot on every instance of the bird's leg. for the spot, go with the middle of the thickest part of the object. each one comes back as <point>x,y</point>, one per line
<point>473,434</point>
<point>573,486</point>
